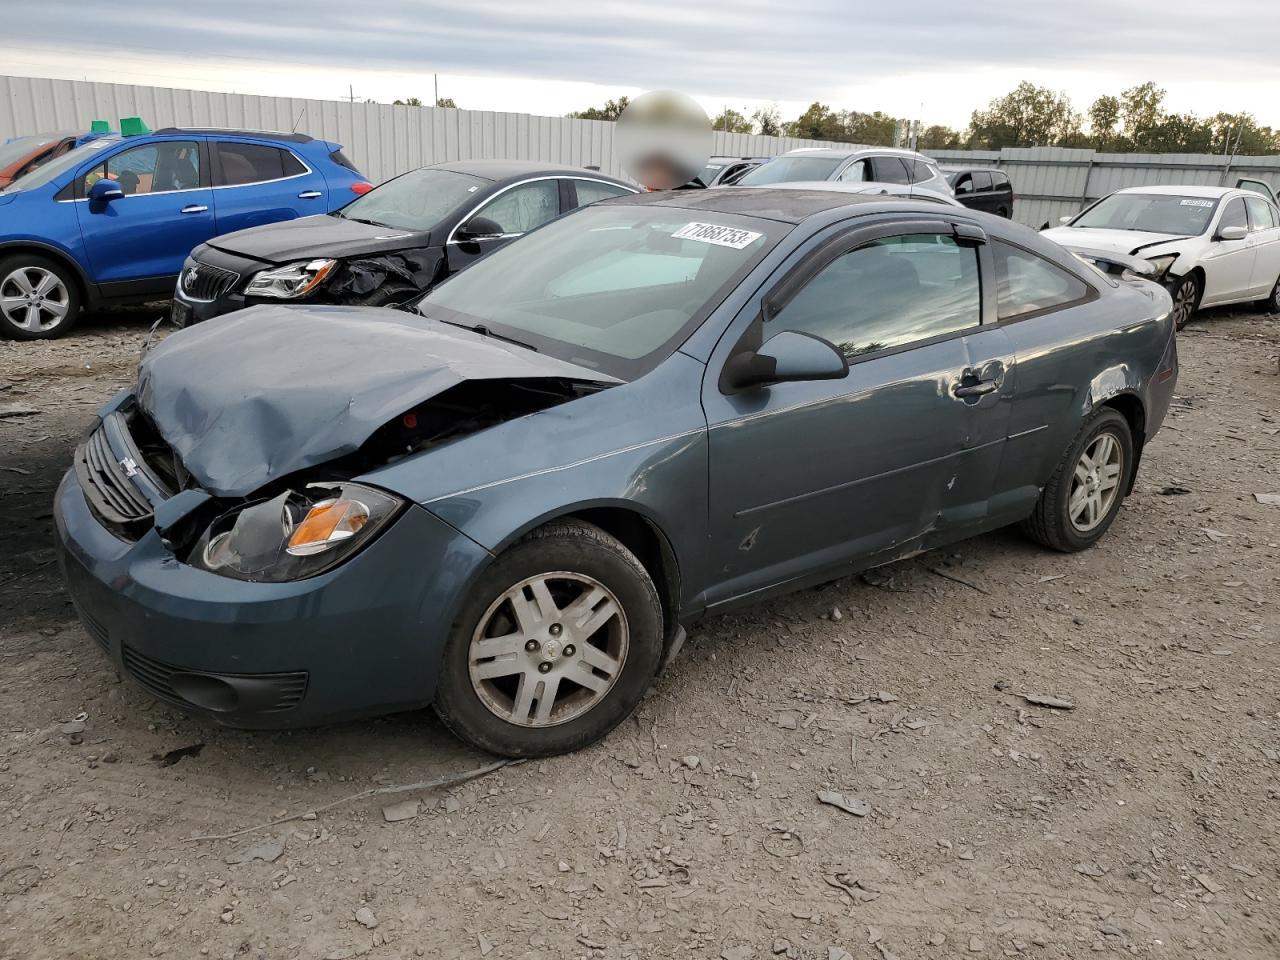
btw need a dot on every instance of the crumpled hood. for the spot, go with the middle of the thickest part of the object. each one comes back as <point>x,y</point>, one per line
<point>261,393</point>
<point>319,236</point>
<point>1113,241</point>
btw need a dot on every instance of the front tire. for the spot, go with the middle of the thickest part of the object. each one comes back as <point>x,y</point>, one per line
<point>1080,501</point>
<point>39,298</point>
<point>1186,299</point>
<point>554,647</point>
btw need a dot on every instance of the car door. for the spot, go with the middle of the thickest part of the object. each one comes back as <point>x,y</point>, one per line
<point>513,211</point>
<point>807,476</point>
<point>984,199</point>
<point>259,183</point>
<point>1228,264</point>
<point>1264,232</point>
<point>136,243</point>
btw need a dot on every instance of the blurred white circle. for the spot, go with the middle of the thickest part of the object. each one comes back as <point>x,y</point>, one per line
<point>664,139</point>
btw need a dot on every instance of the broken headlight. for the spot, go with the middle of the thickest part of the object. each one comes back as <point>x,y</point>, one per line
<point>290,281</point>
<point>295,535</point>
<point>1161,264</point>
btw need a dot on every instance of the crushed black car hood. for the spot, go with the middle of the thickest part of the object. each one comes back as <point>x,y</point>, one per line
<point>322,236</point>
<point>261,393</point>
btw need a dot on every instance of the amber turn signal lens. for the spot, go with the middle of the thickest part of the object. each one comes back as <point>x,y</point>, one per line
<point>328,522</point>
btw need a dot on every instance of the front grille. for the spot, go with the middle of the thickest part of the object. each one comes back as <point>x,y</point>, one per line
<point>156,677</point>
<point>205,283</point>
<point>106,484</point>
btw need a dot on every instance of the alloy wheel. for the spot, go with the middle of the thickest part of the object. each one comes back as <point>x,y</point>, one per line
<point>548,649</point>
<point>1184,302</point>
<point>34,299</point>
<point>1096,482</point>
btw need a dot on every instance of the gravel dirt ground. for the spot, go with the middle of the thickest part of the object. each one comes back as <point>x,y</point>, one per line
<point>1145,820</point>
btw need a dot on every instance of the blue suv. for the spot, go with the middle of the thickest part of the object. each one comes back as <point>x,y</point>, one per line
<point>111,221</point>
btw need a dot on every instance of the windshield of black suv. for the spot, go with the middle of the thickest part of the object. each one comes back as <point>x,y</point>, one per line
<point>418,200</point>
<point>1150,213</point>
<point>615,287</point>
<point>786,169</point>
<point>59,165</point>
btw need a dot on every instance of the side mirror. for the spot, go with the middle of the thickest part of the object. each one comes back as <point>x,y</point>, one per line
<point>1065,219</point>
<point>785,356</point>
<point>1232,233</point>
<point>478,228</point>
<point>105,190</point>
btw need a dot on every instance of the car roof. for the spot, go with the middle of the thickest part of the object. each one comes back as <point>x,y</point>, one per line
<point>773,202</point>
<point>508,169</point>
<point>857,187</point>
<point>238,132</point>
<point>852,150</point>
<point>1185,190</point>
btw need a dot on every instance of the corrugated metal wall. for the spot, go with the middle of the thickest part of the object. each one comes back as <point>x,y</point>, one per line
<point>1052,182</point>
<point>385,140</point>
<point>381,139</point>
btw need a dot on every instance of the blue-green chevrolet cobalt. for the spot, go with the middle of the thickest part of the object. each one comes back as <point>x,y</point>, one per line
<point>506,500</point>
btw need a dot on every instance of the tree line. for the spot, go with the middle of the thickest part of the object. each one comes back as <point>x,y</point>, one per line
<point>1133,121</point>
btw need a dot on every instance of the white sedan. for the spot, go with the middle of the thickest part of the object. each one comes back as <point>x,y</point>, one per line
<point>1209,245</point>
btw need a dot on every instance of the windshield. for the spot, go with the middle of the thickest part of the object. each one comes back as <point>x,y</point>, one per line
<point>22,147</point>
<point>59,165</point>
<point>792,168</point>
<point>1150,213</point>
<point>614,287</point>
<point>416,201</point>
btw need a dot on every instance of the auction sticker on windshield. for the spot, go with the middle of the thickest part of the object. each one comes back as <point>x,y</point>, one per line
<point>1197,203</point>
<point>721,236</point>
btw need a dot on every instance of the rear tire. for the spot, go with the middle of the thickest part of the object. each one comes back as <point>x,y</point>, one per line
<point>39,298</point>
<point>555,645</point>
<point>1080,501</point>
<point>1271,303</point>
<point>1185,292</point>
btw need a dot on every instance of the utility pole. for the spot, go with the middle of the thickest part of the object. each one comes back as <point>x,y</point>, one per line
<point>351,93</point>
<point>435,81</point>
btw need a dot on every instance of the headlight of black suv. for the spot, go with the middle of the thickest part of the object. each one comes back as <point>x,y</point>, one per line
<point>296,535</point>
<point>290,281</point>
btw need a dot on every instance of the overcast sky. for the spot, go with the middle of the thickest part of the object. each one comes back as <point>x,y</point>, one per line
<point>550,58</point>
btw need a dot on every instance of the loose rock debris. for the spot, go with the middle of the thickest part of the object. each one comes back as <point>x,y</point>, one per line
<point>1043,700</point>
<point>859,808</point>
<point>173,756</point>
<point>266,850</point>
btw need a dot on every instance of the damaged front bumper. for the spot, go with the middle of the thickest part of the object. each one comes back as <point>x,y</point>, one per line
<point>361,639</point>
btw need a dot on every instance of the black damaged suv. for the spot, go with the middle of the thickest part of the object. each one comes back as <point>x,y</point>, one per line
<point>388,245</point>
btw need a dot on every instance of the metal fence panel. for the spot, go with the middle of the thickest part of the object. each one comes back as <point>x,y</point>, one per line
<point>382,139</point>
<point>385,140</point>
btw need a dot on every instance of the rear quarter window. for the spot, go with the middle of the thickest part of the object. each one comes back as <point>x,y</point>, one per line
<point>1029,284</point>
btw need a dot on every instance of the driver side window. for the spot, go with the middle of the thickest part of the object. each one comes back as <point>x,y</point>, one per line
<point>522,208</point>
<point>152,168</point>
<point>892,292</point>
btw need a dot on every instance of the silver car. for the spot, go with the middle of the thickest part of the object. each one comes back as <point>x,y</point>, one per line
<point>853,163</point>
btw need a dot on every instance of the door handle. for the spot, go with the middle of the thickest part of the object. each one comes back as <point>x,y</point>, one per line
<point>195,208</point>
<point>309,195</point>
<point>979,389</point>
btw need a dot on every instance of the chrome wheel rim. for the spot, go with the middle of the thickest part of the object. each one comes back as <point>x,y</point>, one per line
<point>1096,482</point>
<point>1184,303</point>
<point>549,649</point>
<point>34,299</point>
